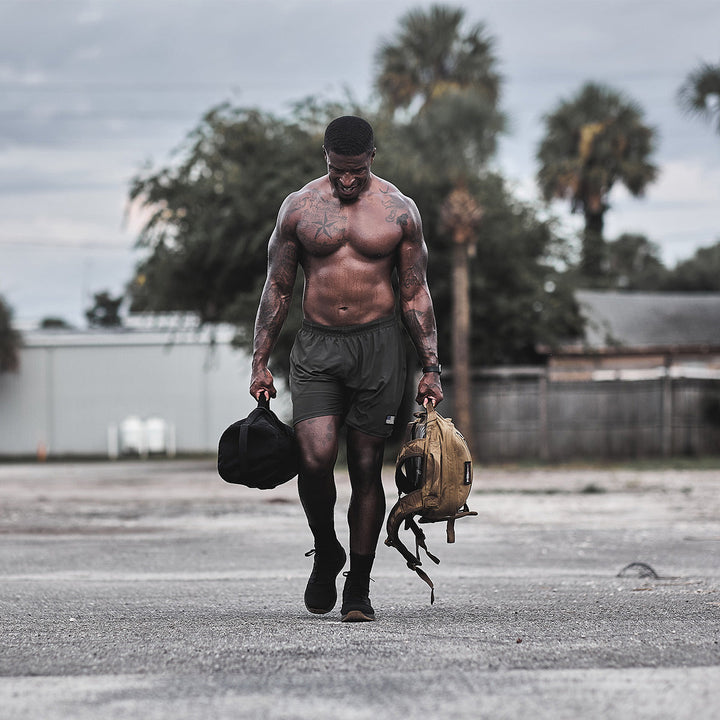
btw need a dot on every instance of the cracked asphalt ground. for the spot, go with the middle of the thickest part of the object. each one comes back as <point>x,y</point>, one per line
<point>155,590</point>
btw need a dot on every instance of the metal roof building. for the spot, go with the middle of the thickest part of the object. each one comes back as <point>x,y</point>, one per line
<point>636,335</point>
<point>645,319</point>
<point>156,387</point>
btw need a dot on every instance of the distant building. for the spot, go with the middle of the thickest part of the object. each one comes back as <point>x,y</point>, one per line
<point>638,335</point>
<point>643,382</point>
<point>162,385</point>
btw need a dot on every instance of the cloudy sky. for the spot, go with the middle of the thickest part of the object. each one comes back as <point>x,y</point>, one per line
<point>92,90</point>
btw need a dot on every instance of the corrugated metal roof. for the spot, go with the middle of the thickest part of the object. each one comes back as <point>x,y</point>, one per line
<point>637,319</point>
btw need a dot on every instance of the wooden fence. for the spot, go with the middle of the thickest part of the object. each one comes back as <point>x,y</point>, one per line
<point>526,416</point>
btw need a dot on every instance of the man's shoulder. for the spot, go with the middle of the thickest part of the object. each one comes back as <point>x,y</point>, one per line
<point>396,202</point>
<point>313,190</point>
<point>384,188</point>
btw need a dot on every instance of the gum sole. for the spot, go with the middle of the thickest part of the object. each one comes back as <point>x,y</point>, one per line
<point>357,616</point>
<point>317,611</point>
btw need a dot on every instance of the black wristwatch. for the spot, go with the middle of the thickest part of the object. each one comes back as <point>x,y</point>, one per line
<point>433,369</point>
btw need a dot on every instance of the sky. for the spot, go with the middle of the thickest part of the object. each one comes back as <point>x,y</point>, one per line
<point>94,91</point>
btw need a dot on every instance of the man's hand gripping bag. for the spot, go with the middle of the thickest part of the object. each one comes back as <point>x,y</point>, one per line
<point>433,474</point>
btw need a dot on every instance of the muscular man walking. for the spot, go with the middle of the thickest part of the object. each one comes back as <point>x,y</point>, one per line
<point>349,230</point>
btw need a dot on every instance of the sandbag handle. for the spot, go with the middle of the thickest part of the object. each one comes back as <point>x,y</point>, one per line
<point>263,402</point>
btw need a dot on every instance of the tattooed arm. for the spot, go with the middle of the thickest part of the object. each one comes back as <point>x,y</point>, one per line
<point>415,301</point>
<point>275,299</point>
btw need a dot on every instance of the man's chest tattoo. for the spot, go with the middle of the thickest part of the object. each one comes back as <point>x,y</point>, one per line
<point>324,226</point>
<point>321,227</point>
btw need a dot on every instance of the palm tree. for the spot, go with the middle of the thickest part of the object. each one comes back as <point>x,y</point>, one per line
<point>10,340</point>
<point>460,215</point>
<point>700,93</point>
<point>446,77</point>
<point>592,141</point>
<point>430,55</point>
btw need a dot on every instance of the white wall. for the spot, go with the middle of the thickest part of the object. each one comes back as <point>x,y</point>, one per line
<point>72,386</point>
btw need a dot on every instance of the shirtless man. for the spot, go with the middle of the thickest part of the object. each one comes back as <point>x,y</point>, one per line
<point>349,230</point>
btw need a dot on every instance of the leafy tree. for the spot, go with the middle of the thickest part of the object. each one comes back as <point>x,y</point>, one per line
<point>700,273</point>
<point>55,323</point>
<point>460,215</point>
<point>10,340</point>
<point>700,93</point>
<point>440,153</point>
<point>213,211</point>
<point>105,311</point>
<point>450,75</point>
<point>430,55</point>
<point>521,301</point>
<point>595,139</point>
<point>633,263</point>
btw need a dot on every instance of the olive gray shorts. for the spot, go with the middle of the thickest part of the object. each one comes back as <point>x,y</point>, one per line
<point>356,371</point>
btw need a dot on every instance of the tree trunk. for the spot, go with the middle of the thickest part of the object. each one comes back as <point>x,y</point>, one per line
<point>592,262</point>
<point>460,214</point>
<point>462,388</point>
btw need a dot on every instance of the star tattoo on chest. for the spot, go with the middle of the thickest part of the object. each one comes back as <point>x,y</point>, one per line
<point>324,226</point>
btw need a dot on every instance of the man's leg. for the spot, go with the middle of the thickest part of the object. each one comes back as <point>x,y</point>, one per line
<point>318,442</point>
<point>365,518</point>
<point>367,502</point>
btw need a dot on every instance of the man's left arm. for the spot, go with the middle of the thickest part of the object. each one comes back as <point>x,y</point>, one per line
<point>416,304</point>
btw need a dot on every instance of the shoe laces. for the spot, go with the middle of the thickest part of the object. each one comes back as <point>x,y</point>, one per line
<point>357,586</point>
<point>323,570</point>
<point>347,574</point>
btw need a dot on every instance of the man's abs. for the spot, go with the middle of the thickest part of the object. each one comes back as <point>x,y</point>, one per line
<point>348,291</point>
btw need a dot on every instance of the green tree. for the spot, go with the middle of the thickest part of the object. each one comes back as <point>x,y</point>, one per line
<point>449,76</point>
<point>460,215</point>
<point>10,340</point>
<point>211,214</point>
<point>431,55</point>
<point>595,139</point>
<point>520,297</point>
<point>440,153</point>
<point>105,311</point>
<point>55,323</point>
<point>700,93</point>
<point>521,300</point>
<point>700,273</point>
<point>633,263</point>
<point>445,79</point>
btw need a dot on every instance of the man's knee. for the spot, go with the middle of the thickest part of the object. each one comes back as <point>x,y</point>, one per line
<point>317,440</point>
<point>316,462</point>
<point>365,455</point>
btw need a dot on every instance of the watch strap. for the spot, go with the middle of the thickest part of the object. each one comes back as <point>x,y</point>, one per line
<point>432,369</point>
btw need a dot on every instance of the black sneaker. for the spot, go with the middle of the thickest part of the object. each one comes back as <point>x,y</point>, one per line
<point>321,593</point>
<point>356,605</point>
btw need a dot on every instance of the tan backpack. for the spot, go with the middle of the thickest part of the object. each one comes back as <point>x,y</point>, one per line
<point>433,474</point>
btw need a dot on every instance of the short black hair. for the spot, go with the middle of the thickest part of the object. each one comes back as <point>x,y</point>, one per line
<point>349,135</point>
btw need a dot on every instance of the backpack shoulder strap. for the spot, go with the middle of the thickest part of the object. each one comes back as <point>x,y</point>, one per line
<point>404,509</point>
<point>410,451</point>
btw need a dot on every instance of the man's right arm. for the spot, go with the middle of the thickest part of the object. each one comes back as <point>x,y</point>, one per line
<point>283,257</point>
